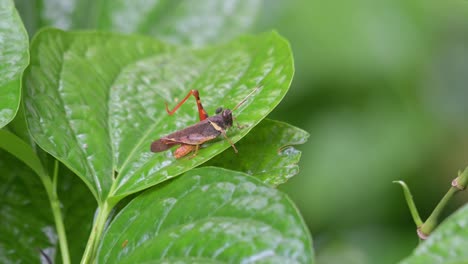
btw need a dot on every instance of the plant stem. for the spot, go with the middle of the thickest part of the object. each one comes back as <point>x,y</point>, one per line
<point>424,229</point>
<point>96,232</point>
<point>457,185</point>
<point>432,220</point>
<point>56,211</point>
<point>412,207</point>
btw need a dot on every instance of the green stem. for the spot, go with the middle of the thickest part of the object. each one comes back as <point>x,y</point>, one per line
<point>424,229</point>
<point>457,185</point>
<point>51,188</point>
<point>96,232</point>
<point>432,220</point>
<point>412,207</point>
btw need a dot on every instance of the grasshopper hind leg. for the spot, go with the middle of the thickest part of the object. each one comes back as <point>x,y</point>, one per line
<point>201,111</point>
<point>184,150</point>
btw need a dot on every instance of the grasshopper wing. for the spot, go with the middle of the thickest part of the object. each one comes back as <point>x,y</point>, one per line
<point>193,135</point>
<point>162,145</point>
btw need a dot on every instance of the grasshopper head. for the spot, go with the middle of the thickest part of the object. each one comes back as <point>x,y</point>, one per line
<point>227,117</point>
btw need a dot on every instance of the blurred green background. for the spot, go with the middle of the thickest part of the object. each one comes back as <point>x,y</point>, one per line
<point>381,86</point>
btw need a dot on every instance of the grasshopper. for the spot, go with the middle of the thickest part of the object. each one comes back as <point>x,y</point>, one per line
<point>209,128</point>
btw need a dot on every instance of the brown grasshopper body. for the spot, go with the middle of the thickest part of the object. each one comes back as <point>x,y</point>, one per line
<point>192,137</point>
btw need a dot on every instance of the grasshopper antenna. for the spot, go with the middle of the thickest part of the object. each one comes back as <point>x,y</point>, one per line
<point>247,97</point>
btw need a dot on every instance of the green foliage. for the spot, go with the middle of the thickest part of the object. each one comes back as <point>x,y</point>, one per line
<point>208,214</point>
<point>13,60</point>
<point>95,101</point>
<point>279,158</point>
<point>78,207</point>
<point>19,148</point>
<point>182,22</point>
<point>108,120</point>
<point>27,223</point>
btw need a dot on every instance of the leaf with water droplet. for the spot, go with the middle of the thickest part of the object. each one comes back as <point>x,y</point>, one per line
<point>267,152</point>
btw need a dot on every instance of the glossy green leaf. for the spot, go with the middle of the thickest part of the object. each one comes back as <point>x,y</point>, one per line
<point>26,219</point>
<point>208,214</point>
<point>14,59</point>
<point>182,22</point>
<point>267,152</point>
<point>95,101</point>
<point>20,149</point>
<point>447,244</point>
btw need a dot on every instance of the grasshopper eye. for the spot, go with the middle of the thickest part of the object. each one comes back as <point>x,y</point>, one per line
<point>227,113</point>
<point>219,110</point>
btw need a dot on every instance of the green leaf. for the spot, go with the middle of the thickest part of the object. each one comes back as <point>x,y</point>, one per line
<point>95,101</point>
<point>14,58</point>
<point>182,22</point>
<point>26,219</point>
<point>447,244</point>
<point>266,152</point>
<point>208,214</point>
<point>20,149</point>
